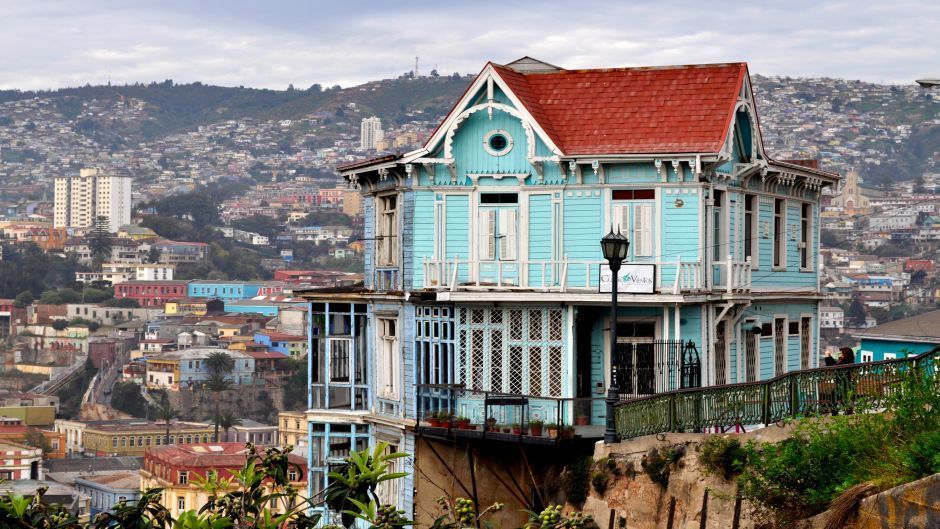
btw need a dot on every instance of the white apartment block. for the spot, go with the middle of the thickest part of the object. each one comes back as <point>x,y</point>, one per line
<point>120,272</point>
<point>831,317</point>
<point>370,133</point>
<point>79,199</point>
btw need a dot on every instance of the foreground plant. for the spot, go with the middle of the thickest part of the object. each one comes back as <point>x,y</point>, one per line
<point>355,487</point>
<point>460,513</point>
<point>551,517</point>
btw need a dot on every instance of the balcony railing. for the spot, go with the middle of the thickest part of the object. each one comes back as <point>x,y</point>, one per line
<point>497,415</point>
<point>676,276</point>
<point>794,394</point>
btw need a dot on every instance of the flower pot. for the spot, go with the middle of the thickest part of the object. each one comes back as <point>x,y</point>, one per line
<point>506,429</point>
<point>553,432</point>
<point>445,423</point>
<point>463,425</point>
<point>518,430</point>
<point>582,420</point>
<point>536,431</point>
<point>434,422</point>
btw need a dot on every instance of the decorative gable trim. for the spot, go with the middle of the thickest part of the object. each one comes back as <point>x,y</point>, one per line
<point>486,81</point>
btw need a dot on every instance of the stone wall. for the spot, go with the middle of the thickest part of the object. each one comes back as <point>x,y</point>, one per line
<point>259,403</point>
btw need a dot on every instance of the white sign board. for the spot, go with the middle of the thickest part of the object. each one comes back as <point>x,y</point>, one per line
<point>632,279</point>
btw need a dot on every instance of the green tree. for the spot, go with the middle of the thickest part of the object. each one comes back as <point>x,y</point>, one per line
<point>219,363</point>
<point>23,299</point>
<point>226,421</point>
<point>153,256</point>
<point>217,384</point>
<point>35,438</point>
<point>100,241</point>
<point>166,412</point>
<point>856,312</point>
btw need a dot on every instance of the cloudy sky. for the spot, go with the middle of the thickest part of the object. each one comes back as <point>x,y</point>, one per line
<point>273,43</point>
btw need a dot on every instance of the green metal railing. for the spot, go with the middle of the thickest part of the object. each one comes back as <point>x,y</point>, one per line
<point>794,394</point>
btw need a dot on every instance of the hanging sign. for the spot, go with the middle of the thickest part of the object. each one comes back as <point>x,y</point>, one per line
<point>632,279</point>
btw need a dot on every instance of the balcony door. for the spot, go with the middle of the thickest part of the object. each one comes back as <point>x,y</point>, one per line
<point>498,242</point>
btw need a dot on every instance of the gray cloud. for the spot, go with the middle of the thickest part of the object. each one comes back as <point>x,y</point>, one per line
<point>52,44</point>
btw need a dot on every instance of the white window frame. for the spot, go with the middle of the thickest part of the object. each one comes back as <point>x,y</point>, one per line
<point>386,230</point>
<point>779,235</point>
<point>752,201</point>
<point>180,503</point>
<point>497,222</point>
<point>806,237</point>
<point>184,477</point>
<point>625,215</point>
<point>388,358</point>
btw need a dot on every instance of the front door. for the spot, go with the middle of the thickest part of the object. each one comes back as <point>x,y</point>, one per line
<point>636,359</point>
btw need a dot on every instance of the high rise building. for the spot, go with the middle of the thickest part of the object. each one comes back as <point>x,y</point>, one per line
<point>80,199</point>
<point>370,133</point>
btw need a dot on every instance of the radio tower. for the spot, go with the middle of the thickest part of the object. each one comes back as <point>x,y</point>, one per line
<point>416,67</point>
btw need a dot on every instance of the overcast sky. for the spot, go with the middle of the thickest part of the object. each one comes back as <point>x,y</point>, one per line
<point>271,43</point>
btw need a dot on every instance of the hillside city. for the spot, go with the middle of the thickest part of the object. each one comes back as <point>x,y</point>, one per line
<point>165,272</point>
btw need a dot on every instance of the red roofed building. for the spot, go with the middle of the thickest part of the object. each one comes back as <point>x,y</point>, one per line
<point>175,469</point>
<point>151,293</point>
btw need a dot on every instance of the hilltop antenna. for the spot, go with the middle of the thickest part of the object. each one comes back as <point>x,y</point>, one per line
<point>416,67</point>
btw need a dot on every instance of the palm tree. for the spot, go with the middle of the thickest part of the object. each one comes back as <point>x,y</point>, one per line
<point>217,383</point>
<point>226,420</point>
<point>166,413</point>
<point>220,363</point>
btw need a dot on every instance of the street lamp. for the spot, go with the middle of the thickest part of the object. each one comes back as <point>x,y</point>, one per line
<point>614,247</point>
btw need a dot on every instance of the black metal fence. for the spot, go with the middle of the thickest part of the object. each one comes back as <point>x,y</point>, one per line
<point>648,368</point>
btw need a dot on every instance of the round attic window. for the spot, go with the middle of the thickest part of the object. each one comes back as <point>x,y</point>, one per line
<point>497,142</point>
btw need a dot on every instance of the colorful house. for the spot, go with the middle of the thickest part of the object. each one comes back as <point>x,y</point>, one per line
<point>900,338</point>
<point>484,273</point>
<point>288,344</point>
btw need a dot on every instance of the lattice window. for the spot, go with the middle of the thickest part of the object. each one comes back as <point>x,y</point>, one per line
<point>496,359</point>
<point>535,370</point>
<point>721,372</point>
<point>804,342</point>
<point>750,357</point>
<point>477,361</point>
<point>515,324</point>
<point>521,350</point>
<point>461,377</point>
<point>555,369</point>
<point>516,373</point>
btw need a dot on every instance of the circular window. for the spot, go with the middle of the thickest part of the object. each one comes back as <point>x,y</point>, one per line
<point>497,142</point>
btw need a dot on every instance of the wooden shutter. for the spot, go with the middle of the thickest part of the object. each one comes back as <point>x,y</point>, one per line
<point>643,230</point>
<point>507,232</point>
<point>487,234</point>
<point>621,220</point>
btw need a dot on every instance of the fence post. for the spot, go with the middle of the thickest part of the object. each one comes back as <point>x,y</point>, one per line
<point>765,405</point>
<point>672,412</point>
<point>794,396</point>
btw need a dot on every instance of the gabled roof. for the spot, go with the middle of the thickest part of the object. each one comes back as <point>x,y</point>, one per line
<point>921,328</point>
<point>670,109</point>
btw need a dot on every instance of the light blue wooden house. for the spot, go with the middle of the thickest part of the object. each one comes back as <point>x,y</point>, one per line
<point>484,285</point>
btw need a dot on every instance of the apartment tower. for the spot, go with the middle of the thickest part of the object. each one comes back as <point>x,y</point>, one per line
<point>79,199</point>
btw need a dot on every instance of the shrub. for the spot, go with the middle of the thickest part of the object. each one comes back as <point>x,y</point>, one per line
<point>576,480</point>
<point>722,455</point>
<point>659,464</point>
<point>600,480</point>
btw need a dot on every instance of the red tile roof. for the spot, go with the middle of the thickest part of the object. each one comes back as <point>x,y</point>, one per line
<point>672,109</point>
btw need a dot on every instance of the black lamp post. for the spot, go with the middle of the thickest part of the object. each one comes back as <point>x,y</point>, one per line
<point>614,246</point>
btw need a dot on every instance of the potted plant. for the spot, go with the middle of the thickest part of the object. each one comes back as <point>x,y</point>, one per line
<point>517,429</point>
<point>446,419</point>
<point>581,420</point>
<point>434,420</point>
<point>566,432</point>
<point>505,428</point>
<point>491,425</point>
<point>553,430</point>
<point>535,428</point>
<point>463,423</point>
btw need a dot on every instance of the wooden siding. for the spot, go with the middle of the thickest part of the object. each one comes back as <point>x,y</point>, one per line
<point>471,156</point>
<point>541,231</point>
<point>418,235</point>
<point>583,228</point>
<point>457,222</point>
